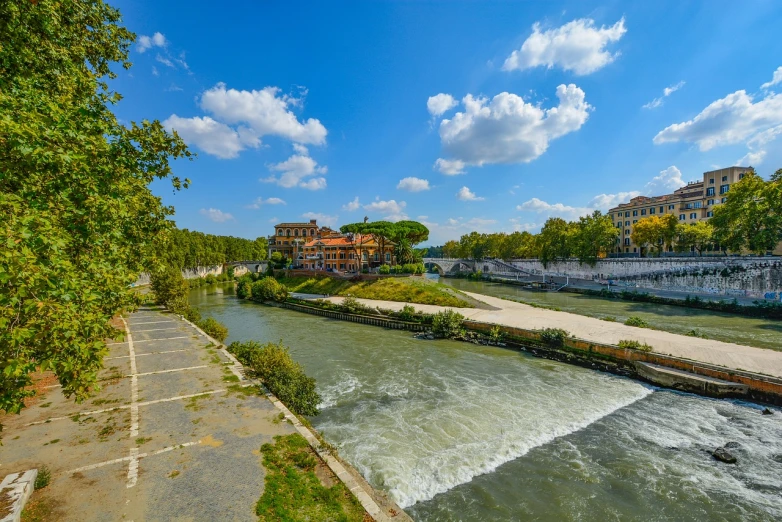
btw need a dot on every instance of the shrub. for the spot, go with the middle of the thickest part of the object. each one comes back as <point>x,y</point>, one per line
<point>170,289</point>
<point>268,289</point>
<point>637,322</point>
<point>284,377</point>
<point>407,313</point>
<point>210,279</point>
<point>192,315</point>
<point>554,336</point>
<point>496,335</point>
<point>351,306</point>
<point>634,345</point>
<point>477,275</point>
<point>244,290</point>
<point>43,478</point>
<point>214,328</point>
<point>230,272</point>
<point>447,324</point>
<point>270,269</point>
<point>384,269</point>
<point>697,333</point>
<point>609,318</point>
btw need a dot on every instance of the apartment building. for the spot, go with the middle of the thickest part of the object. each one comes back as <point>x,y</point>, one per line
<point>691,203</point>
<point>288,238</point>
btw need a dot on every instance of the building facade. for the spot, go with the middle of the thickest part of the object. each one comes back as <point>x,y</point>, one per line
<point>691,203</point>
<point>321,248</point>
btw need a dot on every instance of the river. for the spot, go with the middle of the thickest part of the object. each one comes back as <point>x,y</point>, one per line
<point>749,331</point>
<point>455,431</point>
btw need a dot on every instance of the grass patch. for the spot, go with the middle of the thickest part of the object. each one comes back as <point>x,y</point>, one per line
<point>293,492</point>
<point>609,318</point>
<point>404,289</point>
<point>192,403</point>
<point>637,322</point>
<point>43,478</point>
<point>142,440</point>
<point>634,345</point>
<point>230,378</point>
<point>245,391</point>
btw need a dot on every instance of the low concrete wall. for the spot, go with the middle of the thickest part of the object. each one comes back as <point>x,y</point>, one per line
<point>393,324</point>
<point>188,273</point>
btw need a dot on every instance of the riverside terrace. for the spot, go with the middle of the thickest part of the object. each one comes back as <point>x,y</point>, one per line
<point>171,435</point>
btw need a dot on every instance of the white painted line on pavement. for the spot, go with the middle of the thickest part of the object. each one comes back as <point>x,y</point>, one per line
<point>138,456</point>
<point>150,322</point>
<point>125,407</point>
<point>152,353</point>
<point>157,329</point>
<point>150,340</point>
<point>133,465</point>
<point>168,371</point>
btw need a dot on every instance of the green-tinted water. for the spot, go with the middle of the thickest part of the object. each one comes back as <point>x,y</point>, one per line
<point>763,333</point>
<point>461,432</point>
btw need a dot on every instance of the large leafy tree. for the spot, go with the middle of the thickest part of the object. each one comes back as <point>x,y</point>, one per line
<point>78,217</point>
<point>751,217</point>
<point>403,234</point>
<point>593,237</point>
<point>656,232</point>
<point>694,236</point>
<point>555,241</point>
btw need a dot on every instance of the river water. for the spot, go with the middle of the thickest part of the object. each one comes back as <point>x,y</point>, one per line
<point>455,431</point>
<point>763,333</point>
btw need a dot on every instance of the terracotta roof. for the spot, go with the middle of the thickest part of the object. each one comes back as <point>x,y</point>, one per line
<point>296,225</point>
<point>330,241</point>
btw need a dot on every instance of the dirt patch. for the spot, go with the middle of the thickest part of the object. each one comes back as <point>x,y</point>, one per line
<point>41,508</point>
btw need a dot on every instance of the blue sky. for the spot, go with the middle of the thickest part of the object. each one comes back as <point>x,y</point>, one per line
<point>488,116</point>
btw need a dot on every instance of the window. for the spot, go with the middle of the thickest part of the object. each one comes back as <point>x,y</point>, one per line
<point>741,176</point>
<point>312,232</point>
<point>697,204</point>
<point>342,266</point>
<point>651,210</point>
<point>350,256</point>
<point>709,214</point>
<point>724,178</point>
<point>710,202</point>
<point>364,256</point>
<point>635,213</point>
<point>643,211</point>
<point>724,189</point>
<point>662,210</point>
<point>627,241</point>
<point>377,256</point>
<point>710,191</point>
<point>342,255</point>
<point>711,181</point>
<point>670,207</point>
<point>688,206</point>
<point>288,232</point>
<point>693,215</point>
<point>627,223</point>
<point>723,200</point>
<point>619,225</point>
<point>627,214</point>
<point>279,232</point>
<point>388,257</point>
<point>635,221</point>
<point>627,232</point>
<point>682,217</point>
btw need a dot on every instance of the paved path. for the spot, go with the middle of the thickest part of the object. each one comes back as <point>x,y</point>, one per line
<point>509,313</point>
<point>171,436</point>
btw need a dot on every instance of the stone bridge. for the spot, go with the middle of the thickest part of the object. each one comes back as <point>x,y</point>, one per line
<point>454,266</point>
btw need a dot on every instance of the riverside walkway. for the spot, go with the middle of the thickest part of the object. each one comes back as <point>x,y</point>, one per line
<point>171,435</point>
<point>509,313</point>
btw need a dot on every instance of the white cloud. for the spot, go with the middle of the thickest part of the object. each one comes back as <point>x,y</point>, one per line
<point>323,219</point>
<point>466,194</point>
<point>440,103</point>
<point>165,61</point>
<point>777,78</point>
<point>666,92</point>
<point>449,167</point>
<point>412,184</point>
<point>352,206</point>
<point>577,46</point>
<point>155,71</point>
<point>728,121</point>
<point>213,137</point>
<point>274,220</point>
<point>506,129</point>
<point>452,228</point>
<point>147,42</point>
<point>666,182</point>
<point>757,146</point>
<point>295,170</point>
<point>259,202</point>
<point>216,215</point>
<point>391,210</point>
<point>248,116</point>
<point>518,226</point>
<point>264,111</point>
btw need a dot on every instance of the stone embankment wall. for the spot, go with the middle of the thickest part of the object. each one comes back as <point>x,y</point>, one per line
<point>203,271</point>
<point>739,276</point>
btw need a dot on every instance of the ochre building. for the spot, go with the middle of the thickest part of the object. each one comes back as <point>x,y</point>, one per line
<point>690,203</point>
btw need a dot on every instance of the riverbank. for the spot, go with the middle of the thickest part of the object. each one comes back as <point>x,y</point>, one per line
<point>594,343</point>
<point>417,290</point>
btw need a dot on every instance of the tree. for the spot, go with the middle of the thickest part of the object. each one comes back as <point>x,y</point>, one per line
<point>555,240</point>
<point>451,248</point>
<point>410,232</point>
<point>79,220</point>
<point>404,252</point>
<point>751,217</point>
<point>516,245</point>
<point>594,236</point>
<point>655,231</point>
<point>695,236</point>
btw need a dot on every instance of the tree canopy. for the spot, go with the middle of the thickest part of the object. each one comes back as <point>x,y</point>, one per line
<point>656,232</point>
<point>751,217</point>
<point>189,249</point>
<point>79,220</point>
